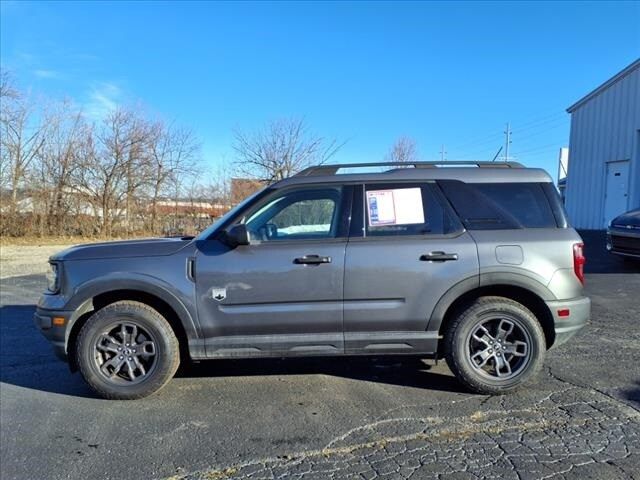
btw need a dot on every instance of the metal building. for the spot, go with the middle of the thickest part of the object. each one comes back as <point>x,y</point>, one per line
<point>603,180</point>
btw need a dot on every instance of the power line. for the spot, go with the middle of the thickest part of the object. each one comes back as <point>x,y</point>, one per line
<point>542,120</point>
<point>530,150</point>
<point>480,141</point>
<point>542,129</point>
<point>535,122</point>
<point>524,140</point>
<point>534,138</point>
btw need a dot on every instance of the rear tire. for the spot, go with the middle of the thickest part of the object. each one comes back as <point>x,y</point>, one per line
<point>126,351</point>
<point>495,345</point>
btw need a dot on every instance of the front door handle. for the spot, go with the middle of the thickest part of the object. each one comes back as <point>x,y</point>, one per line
<point>438,257</point>
<point>312,260</point>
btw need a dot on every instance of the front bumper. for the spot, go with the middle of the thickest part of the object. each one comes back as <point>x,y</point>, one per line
<point>567,326</point>
<point>623,242</point>
<point>56,334</point>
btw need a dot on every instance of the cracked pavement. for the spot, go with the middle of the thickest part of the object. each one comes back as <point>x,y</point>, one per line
<point>329,418</point>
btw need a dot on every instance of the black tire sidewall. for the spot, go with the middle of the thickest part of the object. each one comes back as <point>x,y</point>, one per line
<point>458,349</point>
<point>144,317</point>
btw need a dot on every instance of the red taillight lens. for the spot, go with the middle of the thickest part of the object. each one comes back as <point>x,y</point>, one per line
<point>579,261</point>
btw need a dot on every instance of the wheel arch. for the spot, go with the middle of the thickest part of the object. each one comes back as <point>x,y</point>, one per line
<point>466,292</point>
<point>98,295</point>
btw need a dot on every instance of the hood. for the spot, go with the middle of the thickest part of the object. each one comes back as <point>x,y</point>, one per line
<point>123,249</point>
<point>630,218</point>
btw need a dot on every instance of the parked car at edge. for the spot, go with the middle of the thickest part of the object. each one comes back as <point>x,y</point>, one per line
<point>476,264</point>
<point>623,235</point>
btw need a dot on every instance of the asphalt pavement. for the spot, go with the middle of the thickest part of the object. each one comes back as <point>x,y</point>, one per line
<point>324,418</point>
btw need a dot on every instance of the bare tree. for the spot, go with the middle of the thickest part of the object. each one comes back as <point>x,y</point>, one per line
<point>404,150</point>
<point>57,161</point>
<point>100,178</point>
<point>8,94</point>
<point>281,149</point>
<point>7,88</point>
<point>174,156</point>
<point>22,136</point>
<point>107,173</point>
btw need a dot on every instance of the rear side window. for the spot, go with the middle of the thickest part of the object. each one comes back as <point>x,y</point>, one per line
<point>404,209</point>
<point>497,206</point>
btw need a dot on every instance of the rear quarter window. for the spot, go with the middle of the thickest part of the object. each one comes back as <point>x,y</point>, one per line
<point>496,206</point>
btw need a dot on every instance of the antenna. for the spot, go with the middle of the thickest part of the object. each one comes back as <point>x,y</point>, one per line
<point>497,153</point>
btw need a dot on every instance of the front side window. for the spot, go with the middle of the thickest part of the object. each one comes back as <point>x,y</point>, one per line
<point>297,215</point>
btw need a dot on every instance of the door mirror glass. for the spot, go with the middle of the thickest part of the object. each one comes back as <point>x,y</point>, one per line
<point>237,235</point>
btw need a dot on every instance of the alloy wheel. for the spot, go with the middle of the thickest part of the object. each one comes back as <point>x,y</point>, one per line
<point>499,348</point>
<point>125,353</point>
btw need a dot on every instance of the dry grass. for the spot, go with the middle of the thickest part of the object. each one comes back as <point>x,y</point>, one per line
<point>61,240</point>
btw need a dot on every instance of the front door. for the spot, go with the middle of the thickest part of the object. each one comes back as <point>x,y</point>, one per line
<point>282,294</point>
<point>617,190</point>
<point>407,251</point>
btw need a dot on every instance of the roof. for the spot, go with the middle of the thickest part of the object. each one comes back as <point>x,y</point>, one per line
<point>619,76</point>
<point>496,173</point>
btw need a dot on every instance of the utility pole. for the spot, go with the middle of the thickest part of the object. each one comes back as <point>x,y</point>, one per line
<point>443,153</point>
<point>507,142</point>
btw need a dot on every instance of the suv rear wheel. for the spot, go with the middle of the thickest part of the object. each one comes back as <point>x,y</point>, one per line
<point>495,345</point>
<point>127,350</point>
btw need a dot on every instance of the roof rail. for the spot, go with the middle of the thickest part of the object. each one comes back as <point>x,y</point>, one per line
<point>333,169</point>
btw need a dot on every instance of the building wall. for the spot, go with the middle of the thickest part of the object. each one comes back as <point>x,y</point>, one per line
<point>605,128</point>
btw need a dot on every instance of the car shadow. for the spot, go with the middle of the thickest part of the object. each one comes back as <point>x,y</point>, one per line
<point>407,371</point>
<point>633,395</point>
<point>27,361</point>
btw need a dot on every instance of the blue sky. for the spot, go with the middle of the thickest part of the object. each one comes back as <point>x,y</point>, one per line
<point>442,73</point>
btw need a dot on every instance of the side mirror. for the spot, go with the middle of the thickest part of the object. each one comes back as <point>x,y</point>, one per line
<point>237,235</point>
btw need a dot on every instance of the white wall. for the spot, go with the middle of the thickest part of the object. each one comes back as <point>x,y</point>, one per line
<point>605,128</point>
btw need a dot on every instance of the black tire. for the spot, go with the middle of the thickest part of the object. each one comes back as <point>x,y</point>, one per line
<point>152,333</point>
<point>460,345</point>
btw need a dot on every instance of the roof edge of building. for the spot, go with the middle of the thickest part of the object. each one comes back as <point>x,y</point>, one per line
<point>619,76</point>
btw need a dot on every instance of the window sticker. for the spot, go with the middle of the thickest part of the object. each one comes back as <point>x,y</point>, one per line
<point>400,206</point>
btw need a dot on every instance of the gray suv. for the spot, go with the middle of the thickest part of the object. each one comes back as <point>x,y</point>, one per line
<point>472,262</point>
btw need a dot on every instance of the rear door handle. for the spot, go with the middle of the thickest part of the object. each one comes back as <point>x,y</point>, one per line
<point>438,257</point>
<point>312,260</point>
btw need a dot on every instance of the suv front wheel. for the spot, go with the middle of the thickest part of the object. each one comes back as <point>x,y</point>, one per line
<point>495,345</point>
<point>127,350</point>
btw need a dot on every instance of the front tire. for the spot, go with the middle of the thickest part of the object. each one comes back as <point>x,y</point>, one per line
<point>495,345</point>
<point>127,350</point>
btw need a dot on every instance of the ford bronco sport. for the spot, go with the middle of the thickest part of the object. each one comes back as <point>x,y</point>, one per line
<point>472,262</point>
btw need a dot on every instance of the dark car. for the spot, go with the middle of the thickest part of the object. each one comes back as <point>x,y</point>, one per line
<point>623,235</point>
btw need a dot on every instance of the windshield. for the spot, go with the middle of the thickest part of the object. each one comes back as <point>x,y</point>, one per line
<point>231,213</point>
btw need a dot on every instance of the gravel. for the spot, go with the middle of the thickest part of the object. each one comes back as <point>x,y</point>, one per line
<point>18,260</point>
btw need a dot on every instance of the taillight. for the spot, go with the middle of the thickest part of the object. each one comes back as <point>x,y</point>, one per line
<point>579,261</point>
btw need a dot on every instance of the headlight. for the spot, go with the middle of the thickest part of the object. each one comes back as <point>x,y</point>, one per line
<point>52,278</point>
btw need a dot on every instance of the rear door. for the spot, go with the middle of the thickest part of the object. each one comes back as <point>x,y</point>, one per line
<point>405,251</point>
<point>282,294</point>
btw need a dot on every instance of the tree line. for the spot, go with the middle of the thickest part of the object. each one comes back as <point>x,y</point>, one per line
<point>127,173</point>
